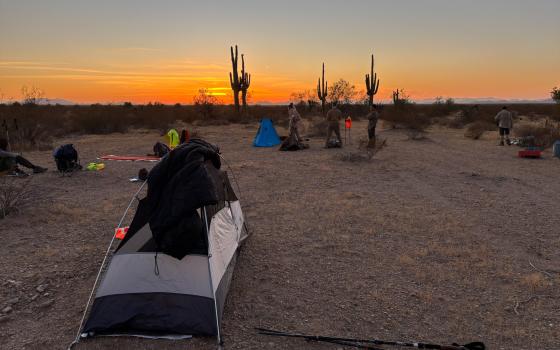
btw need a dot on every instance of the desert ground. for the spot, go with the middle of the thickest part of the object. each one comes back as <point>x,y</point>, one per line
<point>445,240</point>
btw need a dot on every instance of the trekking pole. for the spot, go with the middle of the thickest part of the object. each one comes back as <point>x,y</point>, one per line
<point>349,341</point>
<point>18,135</point>
<point>5,126</point>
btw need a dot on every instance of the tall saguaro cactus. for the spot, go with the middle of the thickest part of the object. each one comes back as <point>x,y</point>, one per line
<point>234,78</point>
<point>372,83</point>
<point>245,83</point>
<point>322,90</point>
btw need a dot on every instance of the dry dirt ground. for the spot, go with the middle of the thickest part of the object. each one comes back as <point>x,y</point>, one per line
<point>442,240</point>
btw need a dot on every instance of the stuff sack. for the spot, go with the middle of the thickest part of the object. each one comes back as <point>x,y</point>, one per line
<point>161,149</point>
<point>66,158</point>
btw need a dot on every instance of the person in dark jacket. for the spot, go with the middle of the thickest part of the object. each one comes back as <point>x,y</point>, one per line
<point>372,117</point>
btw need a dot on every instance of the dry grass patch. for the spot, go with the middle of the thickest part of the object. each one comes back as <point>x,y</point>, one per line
<point>534,281</point>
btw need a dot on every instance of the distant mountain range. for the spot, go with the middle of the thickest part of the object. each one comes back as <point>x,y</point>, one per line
<point>488,100</point>
<point>55,101</point>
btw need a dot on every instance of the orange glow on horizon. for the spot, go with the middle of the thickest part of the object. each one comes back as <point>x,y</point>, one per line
<point>173,82</point>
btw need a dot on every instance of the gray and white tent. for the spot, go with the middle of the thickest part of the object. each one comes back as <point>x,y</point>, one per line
<point>170,276</point>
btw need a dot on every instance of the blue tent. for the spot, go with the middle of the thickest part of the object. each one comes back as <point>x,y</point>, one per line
<point>266,136</point>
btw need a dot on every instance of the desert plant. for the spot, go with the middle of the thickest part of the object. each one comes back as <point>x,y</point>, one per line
<point>545,135</point>
<point>372,83</point>
<point>367,149</point>
<point>477,129</point>
<point>14,195</point>
<point>322,90</point>
<point>555,94</point>
<point>245,82</point>
<point>342,91</point>
<point>318,128</point>
<point>204,103</point>
<point>31,96</point>
<point>234,80</point>
<point>400,98</point>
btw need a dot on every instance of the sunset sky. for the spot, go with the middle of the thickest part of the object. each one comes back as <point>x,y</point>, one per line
<point>141,51</point>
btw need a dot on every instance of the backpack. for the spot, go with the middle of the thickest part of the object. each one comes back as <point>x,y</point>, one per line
<point>66,158</point>
<point>161,149</point>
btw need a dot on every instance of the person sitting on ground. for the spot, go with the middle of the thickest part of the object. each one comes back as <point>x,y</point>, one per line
<point>9,161</point>
<point>372,117</point>
<point>504,119</point>
<point>333,118</point>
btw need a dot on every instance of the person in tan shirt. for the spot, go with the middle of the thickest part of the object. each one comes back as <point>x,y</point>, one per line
<point>333,119</point>
<point>504,119</point>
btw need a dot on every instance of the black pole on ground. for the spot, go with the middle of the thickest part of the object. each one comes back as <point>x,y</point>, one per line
<point>359,342</point>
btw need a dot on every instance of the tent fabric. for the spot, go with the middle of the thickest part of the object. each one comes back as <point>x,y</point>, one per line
<point>266,135</point>
<point>149,292</point>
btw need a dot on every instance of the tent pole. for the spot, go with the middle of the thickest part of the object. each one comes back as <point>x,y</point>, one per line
<point>77,339</point>
<point>211,282</point>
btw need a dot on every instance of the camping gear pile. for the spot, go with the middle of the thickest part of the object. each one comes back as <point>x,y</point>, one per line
<point>170,275</point>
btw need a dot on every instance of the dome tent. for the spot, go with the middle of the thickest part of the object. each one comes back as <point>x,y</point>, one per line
<point>170,275</point>
<point>266,135</point>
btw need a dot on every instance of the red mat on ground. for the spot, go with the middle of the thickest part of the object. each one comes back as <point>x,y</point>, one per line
<point>131,158</point>
<point>529,154</point>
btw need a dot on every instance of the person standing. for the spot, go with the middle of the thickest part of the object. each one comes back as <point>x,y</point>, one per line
<point>372,117</point>
<point>333,120</point>
<point>504,119</point>
<point>294,122</point>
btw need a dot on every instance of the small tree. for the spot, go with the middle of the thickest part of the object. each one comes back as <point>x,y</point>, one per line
<point>342,91</point>
<point>555,94</point>
<point>30,96</point>
<point>205,101</point>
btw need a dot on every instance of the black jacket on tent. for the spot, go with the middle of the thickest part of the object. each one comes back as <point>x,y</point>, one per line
<point>171,274</point>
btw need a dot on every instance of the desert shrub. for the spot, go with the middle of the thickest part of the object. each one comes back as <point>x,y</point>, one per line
<point>545,135</point>
<point>14,195</point>
<point>407,117</point>
<point>442,108</point>
<point>318,127</point>
<point>367,149</point>
<point>477,129</point>
<point>453,122</point>
<point>555,95</point>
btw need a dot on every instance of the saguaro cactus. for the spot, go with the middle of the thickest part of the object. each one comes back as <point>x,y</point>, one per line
<point>245,83</point>
<point>234,78</point>
<point>322,90</point>
<point>396,99</point>
<point>372,83</point>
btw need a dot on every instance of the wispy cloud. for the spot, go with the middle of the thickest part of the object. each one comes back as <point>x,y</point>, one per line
<point>136,49</point>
